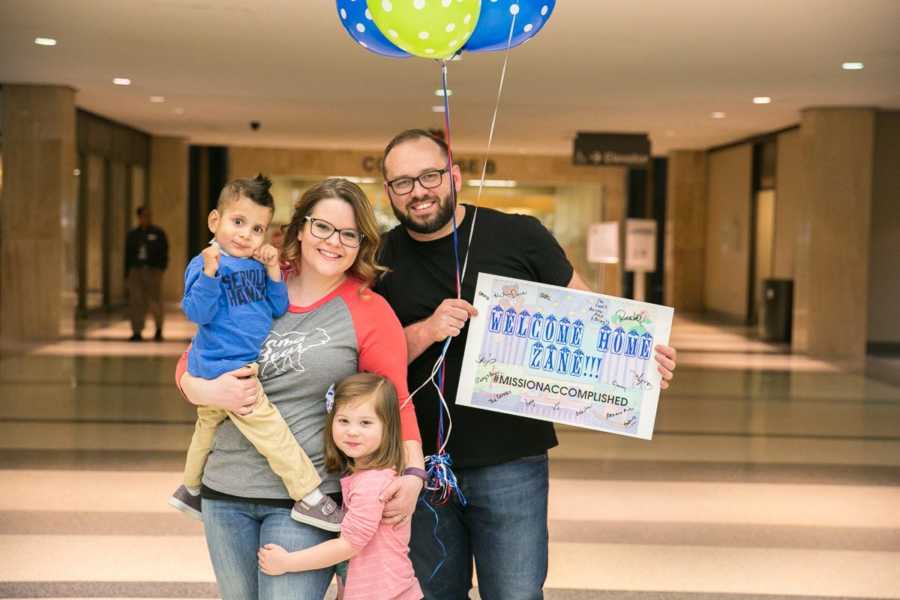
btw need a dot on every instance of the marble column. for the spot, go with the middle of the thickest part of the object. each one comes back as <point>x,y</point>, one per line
<point>168,200</point>
<point>685,261</point>
<point>832,251</point>
<point>37,201</point>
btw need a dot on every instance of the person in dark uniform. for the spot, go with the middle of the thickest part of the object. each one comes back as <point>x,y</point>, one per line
<point>146,258</point>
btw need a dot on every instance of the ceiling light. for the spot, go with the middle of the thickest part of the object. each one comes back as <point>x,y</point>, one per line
<point>718,115</point>
<point>42,41</point>
<point>762,100</point>
<point>496,183</point>
<point>438,108</point>
<point>852,66</point>
<point>360,180</point>
<point>157,99</point>
<point>122,81</point>
<point>440,92</point>
<point>178,111</point>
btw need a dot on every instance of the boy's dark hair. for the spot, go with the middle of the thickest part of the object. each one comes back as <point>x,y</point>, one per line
<point>256,189</point>
<point>408,136</point>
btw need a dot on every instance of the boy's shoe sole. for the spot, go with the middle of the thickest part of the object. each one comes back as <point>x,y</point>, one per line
<point>187,510</point>
<point>314,522</point>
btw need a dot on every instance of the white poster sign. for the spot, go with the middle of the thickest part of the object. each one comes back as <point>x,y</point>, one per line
<point>562,355</point>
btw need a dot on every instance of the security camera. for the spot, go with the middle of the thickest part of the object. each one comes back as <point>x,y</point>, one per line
<point>255,125</point>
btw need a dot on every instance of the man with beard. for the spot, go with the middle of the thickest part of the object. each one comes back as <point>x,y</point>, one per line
<point>500,460</point>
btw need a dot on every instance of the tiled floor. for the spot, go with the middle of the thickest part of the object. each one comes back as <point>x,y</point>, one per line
<point>769,476</point>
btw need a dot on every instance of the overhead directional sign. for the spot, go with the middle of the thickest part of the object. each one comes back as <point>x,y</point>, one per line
<point>612,149</point>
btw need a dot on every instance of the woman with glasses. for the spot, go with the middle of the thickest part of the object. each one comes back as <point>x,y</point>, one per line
<point>334,327</point>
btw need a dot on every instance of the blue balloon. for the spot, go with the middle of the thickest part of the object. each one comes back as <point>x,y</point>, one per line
<point>492,31</point>
<point>357,20</point>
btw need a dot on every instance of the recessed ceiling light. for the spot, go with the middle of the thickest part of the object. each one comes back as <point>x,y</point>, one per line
<point>178,111</point>
<point>122,81</point>
<point>762,100</point>
<point>718,115</point>
<point>438,108</point>
<point>157,99</point>
<point>852,66</point>
<point>440,92</point>
<point>42,41</point>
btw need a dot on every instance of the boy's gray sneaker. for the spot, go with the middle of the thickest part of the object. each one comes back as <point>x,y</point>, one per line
<point>325,515</point>
<point>186,502</point>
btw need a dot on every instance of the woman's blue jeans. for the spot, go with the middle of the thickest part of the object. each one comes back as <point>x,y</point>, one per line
<point>504,527</point>
<point>234,533</point>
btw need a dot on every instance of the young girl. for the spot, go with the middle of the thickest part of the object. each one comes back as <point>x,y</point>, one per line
<point>362,437</point>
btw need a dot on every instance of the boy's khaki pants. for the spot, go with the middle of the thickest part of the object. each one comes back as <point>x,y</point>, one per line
<point>267,431</point>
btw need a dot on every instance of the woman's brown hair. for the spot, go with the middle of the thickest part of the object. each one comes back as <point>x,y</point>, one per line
<point>365,268</point>
<point>354,389</point>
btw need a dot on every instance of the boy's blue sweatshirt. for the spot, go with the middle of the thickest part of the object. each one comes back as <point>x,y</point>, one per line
<point>234,310</point>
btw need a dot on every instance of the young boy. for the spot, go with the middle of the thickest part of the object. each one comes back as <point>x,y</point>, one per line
<point>233,290</point>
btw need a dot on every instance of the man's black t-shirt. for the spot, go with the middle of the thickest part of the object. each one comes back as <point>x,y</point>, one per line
<point>422,276</point>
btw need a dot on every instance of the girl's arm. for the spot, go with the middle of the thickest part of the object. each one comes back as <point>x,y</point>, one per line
<point>275,560</point>
<point>359,526</point>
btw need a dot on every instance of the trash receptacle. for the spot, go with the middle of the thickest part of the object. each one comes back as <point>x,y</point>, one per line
<point>778,304</point>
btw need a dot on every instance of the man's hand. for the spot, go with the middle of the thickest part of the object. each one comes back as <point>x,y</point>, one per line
<point>211,256</point>
<point>272,559</point>
<point>267,254</point>
<point>665,356</point>
<point>399,498</point>
<point>449,318</point>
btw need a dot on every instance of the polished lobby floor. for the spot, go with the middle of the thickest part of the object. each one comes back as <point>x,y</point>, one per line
<point>769,476</point>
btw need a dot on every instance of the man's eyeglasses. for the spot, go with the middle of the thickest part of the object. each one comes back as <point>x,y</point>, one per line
<point>428,180</point>
<point>323,230</point>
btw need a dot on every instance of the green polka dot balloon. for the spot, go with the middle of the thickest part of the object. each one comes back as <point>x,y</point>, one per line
<point>426,28</point>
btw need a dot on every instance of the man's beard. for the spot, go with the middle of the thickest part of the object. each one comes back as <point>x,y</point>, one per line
<point>440,218</point>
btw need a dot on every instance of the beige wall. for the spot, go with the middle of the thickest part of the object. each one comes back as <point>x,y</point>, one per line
<point>685,262</point>
<point>585,194</point>
<point>884,270</point>
<point>832,252</point>
<point>577,206</point>
<point>788,204</point>
<point>38,124</point>
<point>94,214</point>
<point>168,200</point>
<point>246,161</point>
<point>727,232</point>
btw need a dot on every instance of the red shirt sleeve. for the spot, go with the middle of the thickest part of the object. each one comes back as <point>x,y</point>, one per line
<point>181,369</point>
<point>382,350</point>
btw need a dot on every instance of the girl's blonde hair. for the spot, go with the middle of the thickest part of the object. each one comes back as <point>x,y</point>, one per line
<point>361,386</point>
<point>365,268</point>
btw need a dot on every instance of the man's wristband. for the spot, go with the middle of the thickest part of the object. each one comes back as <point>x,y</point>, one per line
<point>416,472</point>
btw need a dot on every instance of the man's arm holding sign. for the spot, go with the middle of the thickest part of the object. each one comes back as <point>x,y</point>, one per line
<point>665,355</point>
<point>450,317</point>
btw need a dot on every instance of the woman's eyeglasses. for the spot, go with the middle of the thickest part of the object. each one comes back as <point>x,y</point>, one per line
<point>323,230</point>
